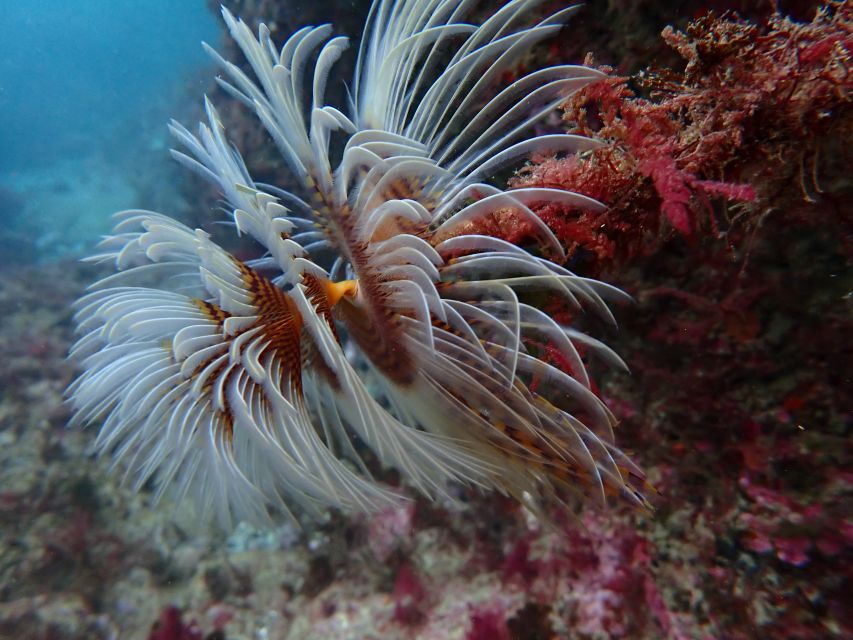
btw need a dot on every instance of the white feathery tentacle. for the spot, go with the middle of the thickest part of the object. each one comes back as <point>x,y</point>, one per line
<point>243,390</point>
<point>146,347</point>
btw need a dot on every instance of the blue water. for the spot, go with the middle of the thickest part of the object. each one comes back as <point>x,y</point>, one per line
<point>86,89</point>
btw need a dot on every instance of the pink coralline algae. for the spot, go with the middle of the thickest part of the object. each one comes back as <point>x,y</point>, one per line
<point>797,532</point>
<point>488,624</point>
<point>744,125</point>
<point>172,627</point>
<point>409,594</point>
<point>388,529</point>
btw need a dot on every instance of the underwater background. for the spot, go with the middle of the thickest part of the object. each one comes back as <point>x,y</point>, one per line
<point>726,170</point>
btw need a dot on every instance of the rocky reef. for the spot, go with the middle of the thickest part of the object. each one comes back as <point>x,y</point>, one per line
<point>726,173</point>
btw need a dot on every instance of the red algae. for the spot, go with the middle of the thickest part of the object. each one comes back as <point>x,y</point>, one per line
<point>708,150</point>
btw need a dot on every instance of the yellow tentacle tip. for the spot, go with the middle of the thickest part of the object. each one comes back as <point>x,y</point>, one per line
<point>337,290</point>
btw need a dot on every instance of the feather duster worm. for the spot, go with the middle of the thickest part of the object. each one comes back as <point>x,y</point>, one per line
<point>244,384</point>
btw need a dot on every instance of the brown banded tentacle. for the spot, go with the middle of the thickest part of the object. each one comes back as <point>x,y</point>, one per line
<point>372,324</point>
<point>559,467</point>
<point>212,311</point>
<point>280,324</point>
<point>312,359</point>
<point>402,189</point>
<point>325,294</point>
<point>218,316</point>
<point>519,443</point>
<point>279,321</point>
